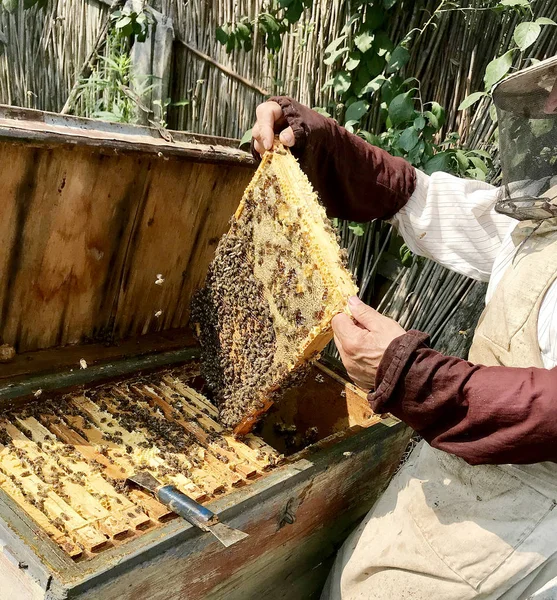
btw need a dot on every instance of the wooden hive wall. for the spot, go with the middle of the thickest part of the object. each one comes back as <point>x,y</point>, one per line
<point>85,232</point>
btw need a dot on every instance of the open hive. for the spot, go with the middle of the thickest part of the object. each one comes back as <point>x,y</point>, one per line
<point>65,461</point>
<point>277,280</point>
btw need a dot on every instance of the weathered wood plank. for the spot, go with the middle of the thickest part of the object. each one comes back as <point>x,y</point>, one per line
<point>181,221</point>
<point>52,130</point>
<point>70,217</point>
<point>85,234</point>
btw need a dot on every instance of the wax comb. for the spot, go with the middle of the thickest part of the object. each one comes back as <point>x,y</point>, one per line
<point>277,279</point>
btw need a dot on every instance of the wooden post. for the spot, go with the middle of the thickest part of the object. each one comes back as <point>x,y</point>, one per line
<point>151,63</point>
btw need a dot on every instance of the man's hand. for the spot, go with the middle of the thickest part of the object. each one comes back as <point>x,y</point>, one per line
<point>270,121</point>
<point>362,342</point>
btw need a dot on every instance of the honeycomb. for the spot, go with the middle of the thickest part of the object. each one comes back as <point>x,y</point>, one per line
<point>277,279</point>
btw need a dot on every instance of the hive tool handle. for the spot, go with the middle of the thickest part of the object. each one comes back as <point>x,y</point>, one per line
<point>198,515</point>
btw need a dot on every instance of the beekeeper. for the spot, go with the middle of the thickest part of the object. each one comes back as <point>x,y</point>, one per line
<point>472,512</point>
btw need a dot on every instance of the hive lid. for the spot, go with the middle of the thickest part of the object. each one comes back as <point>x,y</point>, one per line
<point>107,228</point>
<point>276,282</point>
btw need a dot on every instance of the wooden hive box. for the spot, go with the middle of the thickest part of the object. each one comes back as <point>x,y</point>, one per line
<point>107,231</point>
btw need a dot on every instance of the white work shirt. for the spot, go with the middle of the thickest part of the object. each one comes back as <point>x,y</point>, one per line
<point>453,222</point>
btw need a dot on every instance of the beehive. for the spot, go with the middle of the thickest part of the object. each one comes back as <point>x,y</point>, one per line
<point>65,461</point>
<point>277,280</point>
<point>93,213</point>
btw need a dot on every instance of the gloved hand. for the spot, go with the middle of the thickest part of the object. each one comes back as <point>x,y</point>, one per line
<point>362,341</point>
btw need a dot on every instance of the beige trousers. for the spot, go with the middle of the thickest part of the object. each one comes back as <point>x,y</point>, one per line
<point>446,531</point>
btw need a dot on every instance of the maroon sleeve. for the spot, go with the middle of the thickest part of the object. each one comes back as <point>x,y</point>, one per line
<point>486,415</point>
<point>354,179</point>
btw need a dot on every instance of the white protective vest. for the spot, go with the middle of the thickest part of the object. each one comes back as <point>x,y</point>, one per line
<point>445,530</point>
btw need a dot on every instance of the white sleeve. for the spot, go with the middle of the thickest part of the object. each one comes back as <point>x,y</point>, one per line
<point>453,222</point>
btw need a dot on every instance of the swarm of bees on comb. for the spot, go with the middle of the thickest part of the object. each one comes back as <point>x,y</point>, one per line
<point>277,279</point>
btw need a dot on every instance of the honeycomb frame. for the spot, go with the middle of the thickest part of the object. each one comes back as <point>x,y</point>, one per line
<point>277,279</point>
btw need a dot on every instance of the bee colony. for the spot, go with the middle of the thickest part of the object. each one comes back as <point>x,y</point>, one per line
<point>109,231</point>
<point>277,280</point>
<point>65,461</point>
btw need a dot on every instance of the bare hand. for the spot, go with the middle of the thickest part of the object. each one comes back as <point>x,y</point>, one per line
<point>362,341</point>
<point>270,121</point>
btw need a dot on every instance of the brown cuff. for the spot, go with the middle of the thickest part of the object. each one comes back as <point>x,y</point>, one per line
<point>354,180</point>
<point>397,356</point>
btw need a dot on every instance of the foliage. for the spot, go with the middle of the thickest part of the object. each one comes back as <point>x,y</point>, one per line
<point>368,69</point>
<point>270,25</point>
<point>131,24</point>
<point>112,92</point>
<point>107,93</point>
<point>524,36</point>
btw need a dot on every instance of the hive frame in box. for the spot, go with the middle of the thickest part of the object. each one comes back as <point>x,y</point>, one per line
<point>295,515</point>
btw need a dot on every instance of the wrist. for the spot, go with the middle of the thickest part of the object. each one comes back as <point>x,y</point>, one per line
<point>400,352</point>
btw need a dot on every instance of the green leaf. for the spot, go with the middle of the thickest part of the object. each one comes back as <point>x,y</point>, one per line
<point>294,11</point>
<point>462,160</point>
<point>269,23</point>
<point>493,113</point>
<point>230,42</point>
<point>406,256</point>
<point>482,153</point>
<point>123,22</point>
<point>439,112</point>
<point>476,174</point>
<point>419,123</point>
<point>515,3</point>
<point>478,163</point>
<point>433,120</point>
<point>525,34</point>
<point>334,44</point>
<point>335,55</point>
<point>541,127</point>
<point>373,85</point>
<point>349,125</point>
<point>497,69</point>
<point>382,43</point>
<point>341,82</point>
<point>180,103</point>
<point>356,229</point>
<point>399,58</point>
<point>401,108</point>
<point>321,111</point>
<point>408,139</point>
<point>545,21</point>
<point>471,99</point>
<point>415,155</point>
<point>389,3</point>
<point>375,64</point>
<point>370,138</point>
<point>246,138</point>
<point>440,162</point>
<point>353,61</point>
<point>364,41</point>
<point>375,16</point>
<point>356,110</point>
<point>29,3</point>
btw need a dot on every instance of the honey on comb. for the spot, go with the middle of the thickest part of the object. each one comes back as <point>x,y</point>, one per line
<point>277,279</point>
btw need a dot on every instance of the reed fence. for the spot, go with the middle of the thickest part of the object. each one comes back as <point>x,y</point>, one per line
<point>45,50</point>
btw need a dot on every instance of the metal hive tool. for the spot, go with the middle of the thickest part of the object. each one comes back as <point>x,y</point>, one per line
<point>277,280</point>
